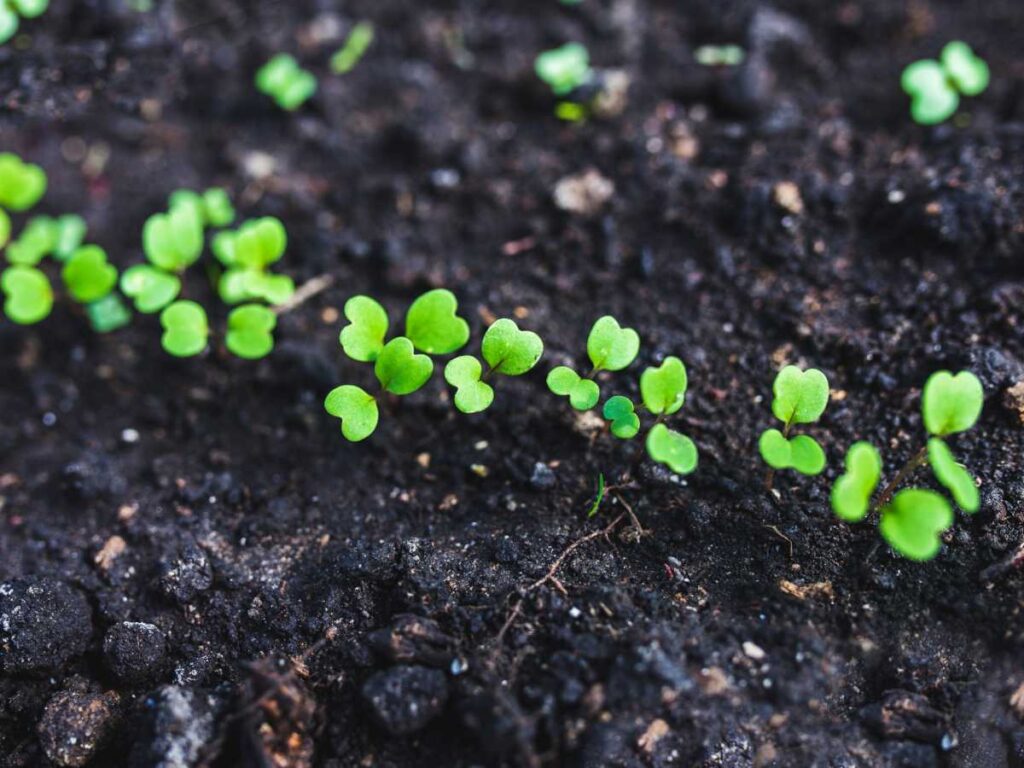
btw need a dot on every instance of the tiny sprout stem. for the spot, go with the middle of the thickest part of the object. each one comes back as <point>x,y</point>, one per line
<point>917,460</point>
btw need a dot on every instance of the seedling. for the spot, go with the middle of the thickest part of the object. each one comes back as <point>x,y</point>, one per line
<point>173,241</point>
<point>800,397</point>
<point>610,347</point>
<point>213,206</point>
<point>564,69</point>
<point>186,329</point>
<point>912,520</point>
<point>10,10</point>
<point>36,241</point>
<point>286,82</point>
<point>935,87</point>
<point>599,497</point>
<point>150,288</point>
<point>87,275</point>
<point>663,391</point>
<point>21,184</point>
<point>507,350</point>
<point>28,297</point>
<point>247,253</point>
<point>356,45</point>
<point>719,55</point>
<point>108,314</point>
<point>250,331</point>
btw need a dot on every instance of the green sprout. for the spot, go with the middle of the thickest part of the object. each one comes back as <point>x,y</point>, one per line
<point>912,520</point>
<point>564,69</point>
<point>610,347</point>
<point>87,274</point>
<point>150,288</point>
<point>663,391</point>
<point>247,253</point>
<point>186,329</point>
<point>599,497</point>
<point>363,338</point>
<point>935,87</point>
<point>357,410</point>
<point>28,297</point>
<point>213,206</point>
<point>21,184</point>
<point>620,411</point>
<point>45,236</point>
<point>173,241</point>
<point>800,397</point>
<point>356,44</point>
<point>286,82</point>
<point>10,10</point>
<point>507,350</point>
<point>433,325</point>
<point>719,55</point>
<point>250,331</point>
<point>108,314</point>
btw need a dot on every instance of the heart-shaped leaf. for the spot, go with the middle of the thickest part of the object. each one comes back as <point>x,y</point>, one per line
<point>951,403</point>
<point>399,369</point>
<point>564,68</point>
<point>363,338</point>
<point>87,274</point>
<point>583,393</point>
<point>969,72</point>
<point>173,241</point>
<point>913,521</point>
<point>37,240</point>
<point>259,243</point>
<point>21,184</point>
<point>27,293</point>
<point>250,331</point>
<point>471,394</point>
<point>675,450</point>
<point>357,410</point>
<point>70,231</point>
<point>150,288</point>
<point>185,329</point>
<point>621,412</point>
<point>953,475</point>
<point>611,347</point>
<point>108,314</point>
<point>851,494</point>
<point>510,351</point>
<point>663,389</point>
<point>800,396</point>
<point>297,92</point>
<point>801,452</point>
<point>433,325</point>
<point>933,98</point>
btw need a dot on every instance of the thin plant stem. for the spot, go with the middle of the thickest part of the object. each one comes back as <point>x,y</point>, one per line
<point>917,460</point>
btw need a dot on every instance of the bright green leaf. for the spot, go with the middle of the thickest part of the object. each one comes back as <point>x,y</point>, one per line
<point>259,243</point>
<point>173,241</point>
<point>800,396</point>
<point>8,23</point>
<point>675,450</point>
<point>150,288</point>
<point>564,68</point>
<point>583,393</point>
<point>250,331</point>
<point>30,9</point>
<point>223,247</point>
<point>185,329</point>
<point>21,184</point>
<point>357,410</point>
<point>913,521</point>
<point>358,41</point>
<point>471,394</point>
<point>951,404</point>
<point>663,389</point>
<point>36,241</point>
<point>217,208</point>
<point>399,369</point>
<point>433,325</point>
<point>70,232</point>
<point>286,82</point>
<point>851,494</point>
<point>621,412</point>
<point>611,347</point>
<point>969,72</point>
<point>87,274</point>
<point>510,351</point>
<point>27,293</point>
<point>108,314</point>
<point>801,452</point>
<point>953,476</point>
<point>363,337</point>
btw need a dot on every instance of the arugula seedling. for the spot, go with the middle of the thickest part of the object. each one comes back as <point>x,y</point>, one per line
<point>433,324</point>
<point>913,519</point>
<point>620,411</point>
<point>10,10</point>
<point>507,350</point>
<point>213,206</point>
<point>800,397</point>
<point>173,241</point>
<point>565,68</point>
<point>150,288</point>
<point>356,44</point>
<point>28,297</point>
<point>36,241</point>
<point>250,331</point>
<point>663,392</point>
<point>186,329</point>
<point>108,314</point>
<point>363,337</point>
<point>357,410</point>
<point>87,274</point>
<point>21,184</point>
<point>247,253</point>
<point>610,347</point>
<point>286,82</point>
<point>935,87</point>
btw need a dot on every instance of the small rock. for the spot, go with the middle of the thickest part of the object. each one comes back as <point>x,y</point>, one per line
<point>1013,399</point>
<point>43,624</point>
<point>186,573</point>
<point>585,193</point>
<point>413,639</point>
<point>74,725</point>
<point>905,715</point>
<point>753,650</point>
<point>404,699</point>
<point>543,477</point>
<point>134,651</point>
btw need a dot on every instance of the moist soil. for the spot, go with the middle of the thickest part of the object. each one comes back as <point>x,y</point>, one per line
<point>198,570</point>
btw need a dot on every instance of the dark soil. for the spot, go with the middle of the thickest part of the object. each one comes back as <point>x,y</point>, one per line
<point>239,586</point>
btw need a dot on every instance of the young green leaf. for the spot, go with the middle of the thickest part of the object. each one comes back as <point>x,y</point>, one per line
<point>471,394</point>
<point>951,404</point>
<point>286,82</point>
<point>259,243</point>
<point>185,329</point>
<point>240,284</point>
<point>933,99</point>
<point>217,208</point>
<point>150,288</point>
<point>968,72</point>
<point>21,184</point>
<point>223,247</point>
<point>363,337</point>
<point>87,274</point>
<point>621,412</point>
<point>953,476</point>
<point>583,393</point>
<point>108,314</point>
<point>913,521</point>
<point>70,231</point>
<point>27,293</point>
<point>510,351</point>
<point>345,58</point>
<point>800,396</point>
<point>851,494</point>
<point>663,389</point>
<point>30,9</point>
<point>250,331</point>
<point>433,325</point>
<point>399,369</point>
<point>801,452</point>
<point>675,450</point>
<point>173,241</point>
<point>36,241</point>
<point>564,69</point>
<point>611,347</point>
<point>357,410</point>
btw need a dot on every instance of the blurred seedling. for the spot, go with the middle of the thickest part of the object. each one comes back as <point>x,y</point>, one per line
<point>11,13</point>
<point>288,84</point>
<point>913,520</point>
<point>799,397</point>
<point>507,350</point>
<point>610,347</point>
<point>186,329</point>
<point>246,254</point>
<point>432,326</point>
<point>719,55</point>
<point>935,87</point>
<point>356,44</point>
<point>21,184</point>
<point>566,69</point>
<point>28,297</point>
